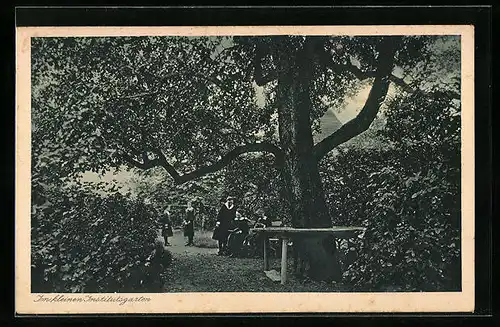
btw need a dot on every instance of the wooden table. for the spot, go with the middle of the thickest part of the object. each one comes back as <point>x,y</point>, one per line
<point>290,233</point>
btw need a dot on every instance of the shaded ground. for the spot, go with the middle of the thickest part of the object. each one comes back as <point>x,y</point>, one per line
<point>195,269</point>
<point>178,248</point>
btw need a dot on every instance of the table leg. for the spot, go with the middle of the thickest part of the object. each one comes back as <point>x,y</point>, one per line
<point>295,256</point>
<point>266,255</point>
<point>284,247</point>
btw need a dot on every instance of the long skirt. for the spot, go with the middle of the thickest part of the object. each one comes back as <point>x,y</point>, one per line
<point>167,231</point>
<point>188,230</point>
<point>220,234</point>
<point>235,243</point>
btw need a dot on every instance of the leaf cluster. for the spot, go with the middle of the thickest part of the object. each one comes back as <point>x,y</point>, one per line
<point>82,242</point>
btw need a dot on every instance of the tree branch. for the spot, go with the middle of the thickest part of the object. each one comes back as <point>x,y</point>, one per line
<point>224,50</point>
<point>363,75</point>
<point>372,105</point>
<point>327,60</point>
<point>341,68</point>
<point>402,84</point>
<point>161,161</point>
<point>259,77</point>
<point>262,80</point>
<point>145,164</point>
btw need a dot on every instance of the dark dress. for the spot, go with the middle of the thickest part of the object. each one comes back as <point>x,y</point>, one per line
<point>224,218</point>
<point>189,226</point>
<point>243,226</point>
<point>167,225</point>
<point>240,230</point>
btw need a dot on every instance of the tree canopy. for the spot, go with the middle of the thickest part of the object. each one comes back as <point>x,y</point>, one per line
<point>188,104</point>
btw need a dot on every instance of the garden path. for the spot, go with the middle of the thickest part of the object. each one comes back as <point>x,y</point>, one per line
<point>200,269</point>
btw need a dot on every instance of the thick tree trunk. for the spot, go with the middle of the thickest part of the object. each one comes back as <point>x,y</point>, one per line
<point>307,207</point>
<point>303,191</point>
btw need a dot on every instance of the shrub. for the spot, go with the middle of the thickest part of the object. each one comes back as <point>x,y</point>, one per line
<point>407,195</point>
<point>413,224</point>
<point>82,242</point>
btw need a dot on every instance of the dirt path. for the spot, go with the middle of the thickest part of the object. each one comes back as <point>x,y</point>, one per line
<point>200,269</point>
<point>178,246</point>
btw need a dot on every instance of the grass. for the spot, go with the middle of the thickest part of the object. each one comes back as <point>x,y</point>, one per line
<point>203,239</point>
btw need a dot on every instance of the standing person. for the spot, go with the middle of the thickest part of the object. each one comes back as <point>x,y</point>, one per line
<point>167,226</point>
<point>189,224</point>
<point>226,216</point>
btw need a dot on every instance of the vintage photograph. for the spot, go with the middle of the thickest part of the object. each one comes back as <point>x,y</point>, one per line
<point>233,163</point>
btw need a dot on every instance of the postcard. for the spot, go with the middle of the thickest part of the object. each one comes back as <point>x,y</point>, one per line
<point>244,169</point>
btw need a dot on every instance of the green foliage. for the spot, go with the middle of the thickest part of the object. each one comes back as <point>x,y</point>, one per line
<point>255,182</point>
<point>82,242</point>
<point>408,197</point>
<point>97,98</point>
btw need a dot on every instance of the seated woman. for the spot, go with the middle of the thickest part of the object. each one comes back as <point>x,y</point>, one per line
<point>238,231</point>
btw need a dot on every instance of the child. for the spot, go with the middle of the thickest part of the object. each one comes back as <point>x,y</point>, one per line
<point>167,226</point>
<point>189,224</point>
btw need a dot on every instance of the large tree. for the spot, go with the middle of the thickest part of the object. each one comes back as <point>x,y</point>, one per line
<point>192,105</point>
